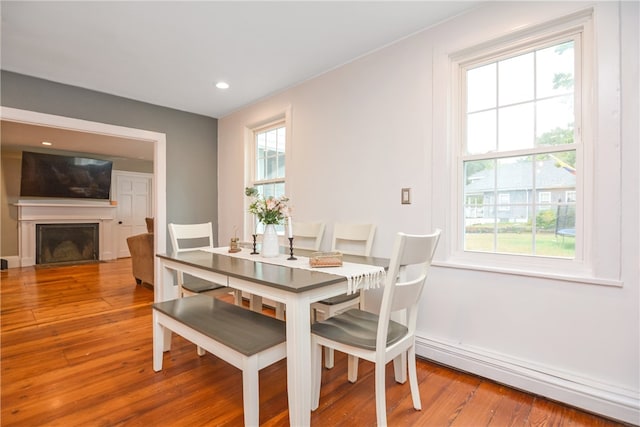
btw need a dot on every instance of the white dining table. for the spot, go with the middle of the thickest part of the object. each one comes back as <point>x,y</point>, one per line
<point>295,287</point>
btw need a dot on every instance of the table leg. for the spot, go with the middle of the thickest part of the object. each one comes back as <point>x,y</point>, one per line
<point>299,361</point>
<point>164,290</point>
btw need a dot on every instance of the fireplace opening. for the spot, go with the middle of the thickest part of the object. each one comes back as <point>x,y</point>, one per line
<point>64,243</point>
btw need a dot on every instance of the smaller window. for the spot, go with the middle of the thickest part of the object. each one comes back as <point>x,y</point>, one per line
<point>544,197</point>
<point>503,202</point>
<point>269,170</point>
<point>544,200</point>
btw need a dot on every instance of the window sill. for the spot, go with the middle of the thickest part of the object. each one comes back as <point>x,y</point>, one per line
<point>564,277</point>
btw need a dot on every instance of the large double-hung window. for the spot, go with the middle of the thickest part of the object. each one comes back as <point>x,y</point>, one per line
<point>521,149</point>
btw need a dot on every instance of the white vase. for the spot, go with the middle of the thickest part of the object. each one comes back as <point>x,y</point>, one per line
<point>270,243</point>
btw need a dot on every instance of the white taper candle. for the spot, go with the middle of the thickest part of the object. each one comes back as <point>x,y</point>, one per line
<point>290,227</point>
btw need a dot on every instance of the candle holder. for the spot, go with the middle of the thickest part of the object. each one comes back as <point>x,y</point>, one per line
<point>254,245</point>
<point>291,258</point>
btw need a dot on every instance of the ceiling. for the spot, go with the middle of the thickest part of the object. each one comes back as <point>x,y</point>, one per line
<point>171,53</point>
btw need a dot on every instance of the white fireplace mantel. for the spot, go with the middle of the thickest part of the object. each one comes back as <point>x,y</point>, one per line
<point>31,213</point>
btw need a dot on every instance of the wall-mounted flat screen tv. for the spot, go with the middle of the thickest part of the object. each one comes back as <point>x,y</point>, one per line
<point>52,175</point>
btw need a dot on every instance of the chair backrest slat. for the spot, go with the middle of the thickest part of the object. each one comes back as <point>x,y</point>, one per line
<point>190,237</point>
<point>353,239</point>
<point>307,235</point>
<point>409,265</point>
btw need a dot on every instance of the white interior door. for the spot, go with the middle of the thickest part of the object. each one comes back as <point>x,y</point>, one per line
<point>133,192</point>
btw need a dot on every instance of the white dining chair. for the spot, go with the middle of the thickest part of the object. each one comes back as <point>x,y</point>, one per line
<point>375,337</point>
<point>193,237</point>
<point>308,235</point>
<point>351,239</point>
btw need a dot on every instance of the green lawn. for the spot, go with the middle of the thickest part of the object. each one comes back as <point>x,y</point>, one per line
<point>547,244</point>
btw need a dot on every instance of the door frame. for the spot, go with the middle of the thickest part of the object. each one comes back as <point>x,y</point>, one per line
<point>159,140</point>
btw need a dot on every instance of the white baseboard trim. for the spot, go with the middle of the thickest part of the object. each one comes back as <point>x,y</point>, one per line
<point>12,261</point>
<point>603,399</point>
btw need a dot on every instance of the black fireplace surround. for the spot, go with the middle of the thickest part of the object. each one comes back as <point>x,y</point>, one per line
<point>65,243</point>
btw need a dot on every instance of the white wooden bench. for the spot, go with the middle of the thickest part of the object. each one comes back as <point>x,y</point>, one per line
<point>246,339</point>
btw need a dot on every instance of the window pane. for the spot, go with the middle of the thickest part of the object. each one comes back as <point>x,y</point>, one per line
<point>554,121</point>
<point>514,239</point>
<point>479,238</point>
<point>514,174</point>
<point>260,156</point>
<point>481,88</point>
<point>479,178</point>
<point>515,127</point>
<point>481,132</point>
<point>515,79</point>
<point>556,173</point>
<point>261,142</point>
<point>281,164</point>
<point>270,168</point>
<point>271,140</point>
<point>555,222</point>
<point>260,169</point>
<point>479,206</point>
<point>551,240</point>
<point>555,70</point>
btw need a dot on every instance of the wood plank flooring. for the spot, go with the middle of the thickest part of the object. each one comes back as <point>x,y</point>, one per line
<point>76,351</point>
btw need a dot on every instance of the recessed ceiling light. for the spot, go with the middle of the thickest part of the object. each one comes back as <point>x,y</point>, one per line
<point>46,143</point>
<point>222,85</point>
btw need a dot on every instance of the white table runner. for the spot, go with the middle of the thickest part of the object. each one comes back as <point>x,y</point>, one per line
<point>359,276</point>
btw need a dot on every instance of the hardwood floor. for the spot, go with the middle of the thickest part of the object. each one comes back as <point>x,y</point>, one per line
<point>76,351</point>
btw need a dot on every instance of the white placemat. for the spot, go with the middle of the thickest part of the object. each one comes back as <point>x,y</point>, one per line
<point>359,276</point>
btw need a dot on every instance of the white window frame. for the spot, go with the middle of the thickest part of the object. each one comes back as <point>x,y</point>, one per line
<point>281,119</point>
<point>597,258</point>
<point>263,129</point>
<point>546,200</point>
<point>504,202</point>
<point>500,53</point>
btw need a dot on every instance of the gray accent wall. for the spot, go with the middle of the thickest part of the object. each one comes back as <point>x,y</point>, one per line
<point>191,142</point>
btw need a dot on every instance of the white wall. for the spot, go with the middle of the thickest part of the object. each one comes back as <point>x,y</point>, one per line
<point>364,131</point>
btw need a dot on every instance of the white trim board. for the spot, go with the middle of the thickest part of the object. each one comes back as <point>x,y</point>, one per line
<point>159,155</point>
<point>603,399</point>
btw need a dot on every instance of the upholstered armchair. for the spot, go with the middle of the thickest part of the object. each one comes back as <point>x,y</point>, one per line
<point>141,248</point>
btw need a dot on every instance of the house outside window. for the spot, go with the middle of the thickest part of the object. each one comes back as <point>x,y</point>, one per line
<point>521,141</point>
<point>269,160</point>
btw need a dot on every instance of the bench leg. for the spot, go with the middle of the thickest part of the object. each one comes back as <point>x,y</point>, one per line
<point>250,391</point>
<point>255,303</point>
<point>237,297</point>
